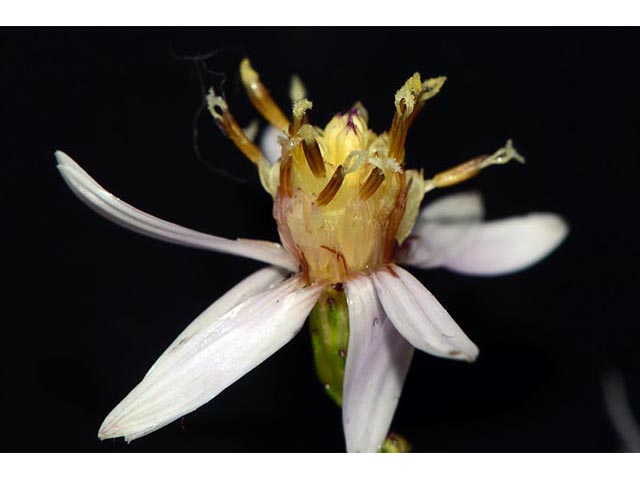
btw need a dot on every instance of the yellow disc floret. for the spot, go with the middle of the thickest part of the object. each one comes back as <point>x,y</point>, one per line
<point>340,217</point>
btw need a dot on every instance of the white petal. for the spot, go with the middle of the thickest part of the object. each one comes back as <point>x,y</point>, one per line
<point>114,209</point>
<point>509,245</point>
<point>269,143</point>
<point>443,230</point>
<point>465,206</point>
<point>219,350</point>
<point>378,359</point>
<point>252,285</point>
<point>419,317</point>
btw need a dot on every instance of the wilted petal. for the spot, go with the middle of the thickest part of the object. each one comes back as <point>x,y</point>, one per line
<point>509,245</point>
<point>443,230</point>
<point>419,317</point>
<point>114,209</point>
<point>224,344</point>
<point>378,359</point>
<point>269,143</point>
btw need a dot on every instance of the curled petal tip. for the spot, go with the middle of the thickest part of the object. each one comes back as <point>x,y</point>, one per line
<point>108,430</point>
<point>61,157</point>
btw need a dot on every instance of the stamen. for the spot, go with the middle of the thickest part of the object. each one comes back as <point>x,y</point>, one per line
<point>299,115</point>
<point>372,183</point>
<point>409,101</point>
<point>332,187</point>
<point>313,155</point>
<point>228,124</point>
<point>285,176</point>
<point>393,223</point>
<point>260,97</point>
<point>398,134</point>
<point>472,167</point>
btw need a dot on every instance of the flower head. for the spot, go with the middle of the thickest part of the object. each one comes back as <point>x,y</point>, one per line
<point>340,198</point>
<point>347,211</point>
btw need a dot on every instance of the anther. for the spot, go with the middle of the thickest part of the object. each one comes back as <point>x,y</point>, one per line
<point>299,115</point>
<point>332,187</point>
<point>228,124</point>
<point>260,97</point>
<point>409,100</point>
<point>372,183</point>
<point>285,177</point>
<point>313,156</point>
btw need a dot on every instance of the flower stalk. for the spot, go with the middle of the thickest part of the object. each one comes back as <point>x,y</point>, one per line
<point>329,328</point>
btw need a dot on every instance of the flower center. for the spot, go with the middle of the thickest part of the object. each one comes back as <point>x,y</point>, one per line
<point>340,199</point>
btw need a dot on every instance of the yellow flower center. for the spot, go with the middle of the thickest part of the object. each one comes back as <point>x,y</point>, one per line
<point>340,199</point>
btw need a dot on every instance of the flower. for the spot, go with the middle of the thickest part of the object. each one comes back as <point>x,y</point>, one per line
<point>347,212</point>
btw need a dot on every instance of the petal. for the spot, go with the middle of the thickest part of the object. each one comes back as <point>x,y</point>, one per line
<point>223,345</point>
<point>378,359</point>
<point>419,317</point>
<point>269,144</point>
<point>252,285</point>
<point>465,206</point>
<point>443,230</point>
<point>114,209</point>
<point>509,245</point>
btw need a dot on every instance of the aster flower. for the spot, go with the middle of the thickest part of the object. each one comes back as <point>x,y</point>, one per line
<point>348,212</point>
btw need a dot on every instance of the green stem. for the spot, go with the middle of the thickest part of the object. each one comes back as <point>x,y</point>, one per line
<point>329,326</point>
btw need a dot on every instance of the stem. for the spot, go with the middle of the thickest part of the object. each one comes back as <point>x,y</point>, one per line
<point>329,326</point>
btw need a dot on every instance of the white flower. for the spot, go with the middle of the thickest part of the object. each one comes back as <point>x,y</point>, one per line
<point>344,213</point>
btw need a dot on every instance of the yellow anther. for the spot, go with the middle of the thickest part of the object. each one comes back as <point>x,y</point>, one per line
<point>300,108</point>
<point>372,183</point>
<point>260,97</point>
<point>331,189</point>
<point>407,95</point>
<point>312,153</point>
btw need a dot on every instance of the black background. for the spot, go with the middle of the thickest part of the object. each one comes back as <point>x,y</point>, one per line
<point>88,306</point>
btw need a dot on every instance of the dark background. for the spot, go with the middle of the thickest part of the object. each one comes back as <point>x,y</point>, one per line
<point>89,306</point>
